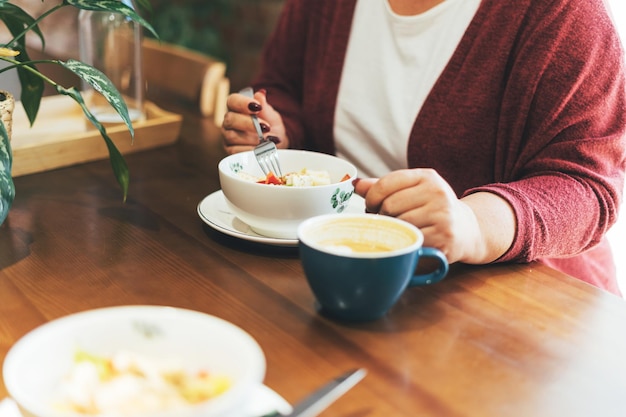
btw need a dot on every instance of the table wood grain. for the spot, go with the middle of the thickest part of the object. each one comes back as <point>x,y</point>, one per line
<point>498,340</point>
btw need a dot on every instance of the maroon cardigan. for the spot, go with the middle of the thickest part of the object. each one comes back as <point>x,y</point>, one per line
<point>531,106</point>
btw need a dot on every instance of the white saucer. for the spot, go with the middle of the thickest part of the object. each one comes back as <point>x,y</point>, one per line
<point>264,401</point>
<point>214,211</point>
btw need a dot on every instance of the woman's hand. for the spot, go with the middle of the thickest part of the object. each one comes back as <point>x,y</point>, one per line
<point>477,229</point>
<point>238,130</point>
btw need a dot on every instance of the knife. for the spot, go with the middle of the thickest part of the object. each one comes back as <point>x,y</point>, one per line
<point>324,396</point>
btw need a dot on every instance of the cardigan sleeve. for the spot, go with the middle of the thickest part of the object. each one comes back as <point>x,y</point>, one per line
<point>565,173</point>
<point>282,63</point>
<point>301,66</point>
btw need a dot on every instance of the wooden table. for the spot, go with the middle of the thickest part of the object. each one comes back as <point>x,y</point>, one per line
<point>505,340</point>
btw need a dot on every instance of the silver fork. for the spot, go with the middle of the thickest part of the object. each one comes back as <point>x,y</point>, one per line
<point>265,152</point>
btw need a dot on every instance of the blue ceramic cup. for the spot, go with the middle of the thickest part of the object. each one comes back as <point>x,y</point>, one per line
<point>358,265</point>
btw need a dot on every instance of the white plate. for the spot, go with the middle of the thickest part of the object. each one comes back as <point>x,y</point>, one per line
<point>264,401</point>
<point>214,211</point>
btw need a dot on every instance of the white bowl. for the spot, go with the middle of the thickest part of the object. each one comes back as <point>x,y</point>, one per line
<point>277,211</point>
<point>37,363</point>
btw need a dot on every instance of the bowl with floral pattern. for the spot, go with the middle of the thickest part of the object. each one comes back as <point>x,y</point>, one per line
<point>312,184</point>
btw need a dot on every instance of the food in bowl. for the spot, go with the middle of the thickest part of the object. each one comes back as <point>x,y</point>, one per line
<point>130,383</point>
<point>276,212</point>
<point>303,178</point>
<point>37,364</point>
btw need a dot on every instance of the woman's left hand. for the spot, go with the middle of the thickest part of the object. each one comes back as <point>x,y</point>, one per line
<point>238,132</point>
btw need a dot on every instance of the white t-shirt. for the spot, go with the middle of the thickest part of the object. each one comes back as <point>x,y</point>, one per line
<point>392,63</point>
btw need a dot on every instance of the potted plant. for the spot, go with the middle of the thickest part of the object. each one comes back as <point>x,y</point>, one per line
<point>20,23</point>
<point>198,25</point>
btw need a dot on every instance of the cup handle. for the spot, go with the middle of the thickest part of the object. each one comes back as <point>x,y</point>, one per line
<point>435,276</point>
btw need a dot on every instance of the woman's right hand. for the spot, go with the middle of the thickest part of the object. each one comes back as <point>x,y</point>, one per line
<point>476,229</point>
<point>238,130</point>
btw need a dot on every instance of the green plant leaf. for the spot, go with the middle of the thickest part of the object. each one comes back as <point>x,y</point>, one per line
<point>32,86</point>
<point>103,85</point>
<point>7,188</point>
<point>114,6</point>
<point>17,20</point>
<point>120,169</point>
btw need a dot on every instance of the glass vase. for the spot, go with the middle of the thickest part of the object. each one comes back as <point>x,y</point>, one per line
<point>111,43</point>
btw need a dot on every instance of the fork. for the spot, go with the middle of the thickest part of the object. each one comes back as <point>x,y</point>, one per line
<point>265,152</point>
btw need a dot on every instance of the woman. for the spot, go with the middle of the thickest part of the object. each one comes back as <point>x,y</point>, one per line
<point>496,126</point>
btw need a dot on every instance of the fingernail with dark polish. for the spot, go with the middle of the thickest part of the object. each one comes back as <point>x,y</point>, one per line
<point>355,181</point>
<point>264,127</point>
<point>274,139</point>
<point>254,106</point>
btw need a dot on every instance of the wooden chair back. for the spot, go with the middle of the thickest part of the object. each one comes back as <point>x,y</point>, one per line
<point>189,75</point>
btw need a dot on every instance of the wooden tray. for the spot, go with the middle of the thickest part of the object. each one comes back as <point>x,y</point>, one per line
<point>62,136</point>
